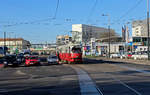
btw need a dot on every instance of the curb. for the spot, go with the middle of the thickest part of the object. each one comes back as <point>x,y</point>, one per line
<point>142,62</point>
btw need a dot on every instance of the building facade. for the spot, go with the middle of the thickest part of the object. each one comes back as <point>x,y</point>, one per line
<point>43,48</point>
<point>14,44</point>
<point>139,34</point>
<point>82,33</point>
<point>103,48</point>
<point>86,35</point>
<point>63,39</point>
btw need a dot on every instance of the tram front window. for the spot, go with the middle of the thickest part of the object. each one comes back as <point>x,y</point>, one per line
<point>76,50</point>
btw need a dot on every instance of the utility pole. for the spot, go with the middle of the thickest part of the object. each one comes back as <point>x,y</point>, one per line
<point>85,36</point>
<point>4,43</point>
<point>109,39</point>
<point>108,34</point>
<point>148,30</point>
<point>15,41</point>
<point>10,38</point>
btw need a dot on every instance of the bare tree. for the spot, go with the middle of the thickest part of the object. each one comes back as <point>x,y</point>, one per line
<point>106,34</point>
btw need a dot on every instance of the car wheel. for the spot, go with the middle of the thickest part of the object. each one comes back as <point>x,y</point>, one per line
<point>25,65</point>
<point>15,65</point>
<point>38,64</point>
<point>5,65</point>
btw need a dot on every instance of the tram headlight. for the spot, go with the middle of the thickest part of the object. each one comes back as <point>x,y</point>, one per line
<point>5,62</point>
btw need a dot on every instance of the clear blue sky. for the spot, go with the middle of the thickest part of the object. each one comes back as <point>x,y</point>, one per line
<point>77,11</point>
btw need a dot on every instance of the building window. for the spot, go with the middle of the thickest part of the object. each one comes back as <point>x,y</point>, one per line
<point>137,29</point>
<point>63,39</point>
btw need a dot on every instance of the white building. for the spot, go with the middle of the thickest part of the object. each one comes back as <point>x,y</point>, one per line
<point>139,34</point>
<point>115,47</point>
<point>82,33</point>
<point>139,28</point>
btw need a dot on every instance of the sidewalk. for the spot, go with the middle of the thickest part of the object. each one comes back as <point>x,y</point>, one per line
<point>143,62</point>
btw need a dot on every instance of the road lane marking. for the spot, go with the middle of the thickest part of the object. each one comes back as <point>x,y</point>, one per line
<point>134,69</point>
<point>87,86</point>
<point>3,90</point>
<point>20,72</point>
<point>132,89</point>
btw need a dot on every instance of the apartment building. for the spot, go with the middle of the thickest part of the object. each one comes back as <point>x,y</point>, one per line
<point>63,39</point>
<point>14,43</point>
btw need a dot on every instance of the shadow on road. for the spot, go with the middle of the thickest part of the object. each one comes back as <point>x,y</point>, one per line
<point>65,89</point>
<point>98,61</point>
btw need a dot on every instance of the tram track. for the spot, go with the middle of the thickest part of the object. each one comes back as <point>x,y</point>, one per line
<point>123,83</point>
<point>87,85</point>
<point>116,79</point>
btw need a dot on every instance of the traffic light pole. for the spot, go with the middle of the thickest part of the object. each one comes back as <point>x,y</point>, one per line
<point>148,42</point>
<point>108,33</point>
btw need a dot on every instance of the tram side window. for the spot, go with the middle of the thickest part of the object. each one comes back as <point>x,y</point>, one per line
<point>76,50</point>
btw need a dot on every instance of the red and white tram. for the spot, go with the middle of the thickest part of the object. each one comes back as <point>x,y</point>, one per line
<point>69,54</point>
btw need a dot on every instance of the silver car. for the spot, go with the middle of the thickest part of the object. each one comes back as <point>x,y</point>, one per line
<point>115,55</point>
<point>52,59</point>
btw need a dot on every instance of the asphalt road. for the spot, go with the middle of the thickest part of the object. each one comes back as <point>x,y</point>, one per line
<point>94,77</point>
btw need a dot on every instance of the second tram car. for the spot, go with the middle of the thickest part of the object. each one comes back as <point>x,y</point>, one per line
<point>69,54</point>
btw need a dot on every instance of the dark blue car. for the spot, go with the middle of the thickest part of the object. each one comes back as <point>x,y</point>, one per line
<point>12,60</point>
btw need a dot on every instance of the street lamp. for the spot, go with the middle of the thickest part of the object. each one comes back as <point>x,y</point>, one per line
<point>109,33</point>
<point>148,30</point>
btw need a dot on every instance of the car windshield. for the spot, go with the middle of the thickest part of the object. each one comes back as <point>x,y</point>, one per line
<point>53,57</point>
<point>32,57</point>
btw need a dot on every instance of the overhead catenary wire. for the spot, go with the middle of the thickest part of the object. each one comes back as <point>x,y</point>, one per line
<point>41,20</point>
<point>119,22</point>
<point>130,10</point>
<point>57,6</point>
<point>92,10</point>
<point>28,22</point>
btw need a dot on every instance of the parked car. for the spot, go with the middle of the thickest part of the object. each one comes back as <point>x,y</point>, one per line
<point>20,58</point>
<point>140,55</point>
<point>115,55</point>
<point>35,53</point>
<point>129,55</point>
<point>1,62</point>
<point>10,60</point>
<point>144,56</point>
<point>31,60</point>
<point>52,59</point>
<point>124,55</point>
